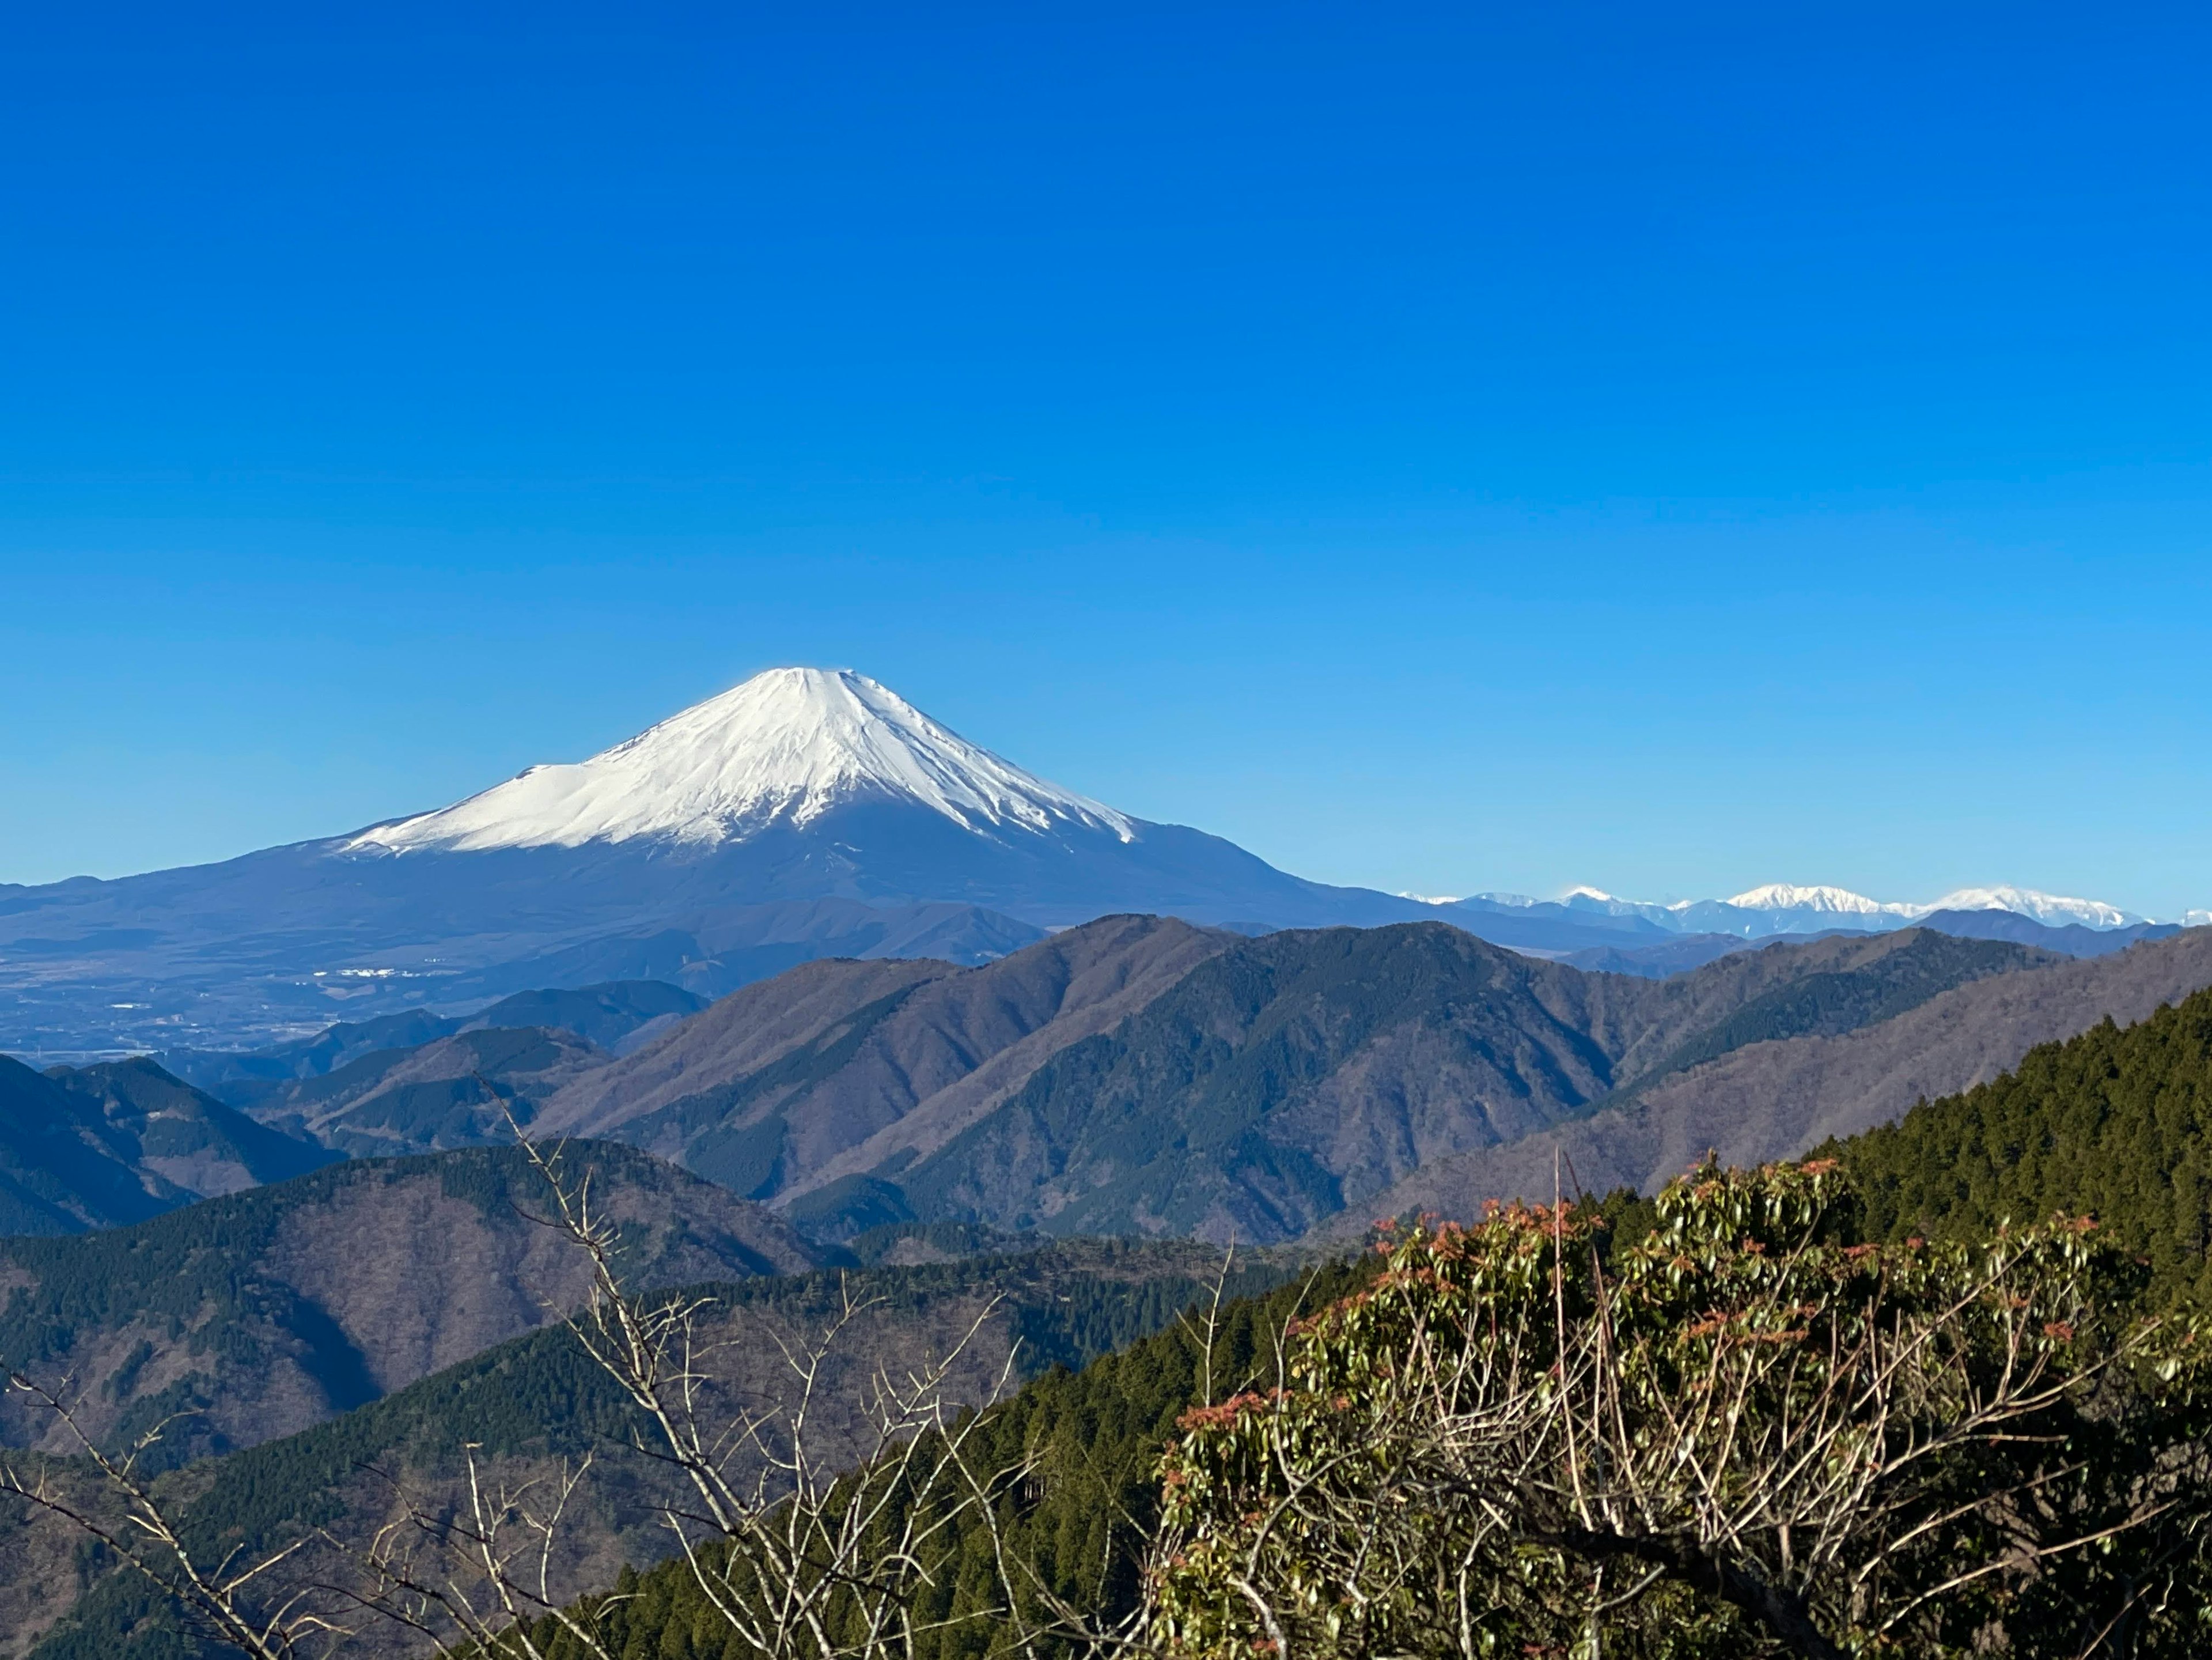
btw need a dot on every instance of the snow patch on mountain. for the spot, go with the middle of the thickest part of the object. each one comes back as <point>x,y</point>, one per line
<point>1612,904</point>
<point>787,746</point>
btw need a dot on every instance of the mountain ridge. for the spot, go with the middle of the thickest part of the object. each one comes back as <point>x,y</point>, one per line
<point>1773,1100</point>
<point>1779,908</point>
<point>120,1142</point>
<point>264,1311</point>
<point>847,1093</point>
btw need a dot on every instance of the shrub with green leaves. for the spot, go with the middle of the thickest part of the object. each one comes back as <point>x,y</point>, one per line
<point>1748,1433</point>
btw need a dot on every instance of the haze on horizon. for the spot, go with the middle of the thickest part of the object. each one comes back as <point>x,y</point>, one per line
<point>1439,452</point>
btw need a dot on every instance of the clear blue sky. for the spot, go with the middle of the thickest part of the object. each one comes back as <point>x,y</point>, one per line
<point>1441,448</point>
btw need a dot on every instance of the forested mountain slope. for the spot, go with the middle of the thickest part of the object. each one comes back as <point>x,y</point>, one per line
<point>2069,939</point>
<point>536,1399</point>
<point>2042,1447</point>
<point>1293,1076</point>
<point>1689,951</point>
<point>456,1091</point>
<point>1245,1101</point>
<point>1792,988</point>
<point>1774,1099</point>
<point>616,1016</point>
<point>101,1145</point>
<point>850,1093</point>
<point>1135,1074</point>
<point>268,1310</point>
<point>1093,1437</point>
<point>835,1067</point>
<point>837,1089</point>
<point>2114,1123</point>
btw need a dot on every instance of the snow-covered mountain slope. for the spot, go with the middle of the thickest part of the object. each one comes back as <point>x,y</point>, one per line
<point>1849,910</point>
<point>805,813</point>
<point>2050,908</point>
<point>1824,901</point>
<point>787,747</point>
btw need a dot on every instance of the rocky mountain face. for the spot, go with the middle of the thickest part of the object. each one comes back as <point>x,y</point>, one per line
<point>265,1311</point>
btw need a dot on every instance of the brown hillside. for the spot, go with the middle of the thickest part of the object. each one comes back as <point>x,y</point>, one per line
<point>1773,1100</point>
<point>942,1046</point>
<point>266,1311</point>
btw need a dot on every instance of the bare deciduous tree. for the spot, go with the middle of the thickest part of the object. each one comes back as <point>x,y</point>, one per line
<point>801,1547</point>
<point>232,1596</point>
<point>820,1522</point>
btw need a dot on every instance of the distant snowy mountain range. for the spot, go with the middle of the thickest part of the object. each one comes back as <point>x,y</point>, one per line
<point>1784,907</point>
<point>805,813</point>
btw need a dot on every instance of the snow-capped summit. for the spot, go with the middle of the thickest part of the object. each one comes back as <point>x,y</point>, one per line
<point>787,746</point>
<point>2054,910</point>
<point>808,813</point>
<point>1840,902</point>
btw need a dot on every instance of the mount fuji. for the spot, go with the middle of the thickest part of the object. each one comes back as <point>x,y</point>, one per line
<point>806,813</point>
<point>789,748</point>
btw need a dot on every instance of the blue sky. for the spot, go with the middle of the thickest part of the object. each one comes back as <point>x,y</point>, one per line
<point>1441,448</point>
